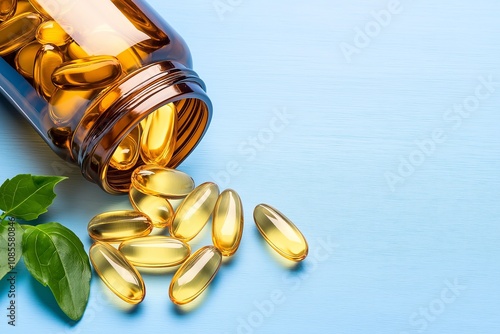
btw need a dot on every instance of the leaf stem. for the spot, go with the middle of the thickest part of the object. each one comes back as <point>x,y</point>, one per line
<point>3,217</point>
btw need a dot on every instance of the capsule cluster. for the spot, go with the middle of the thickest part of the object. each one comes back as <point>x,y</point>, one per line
<point>152,191</point>
<point>68,67</point>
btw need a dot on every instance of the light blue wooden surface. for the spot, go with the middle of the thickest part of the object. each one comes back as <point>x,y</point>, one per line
<point>396,190</point>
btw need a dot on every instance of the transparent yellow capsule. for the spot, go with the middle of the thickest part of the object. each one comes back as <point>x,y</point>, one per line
<point>48,58</point>
<point>130,59</point>
<point>65,104</point>
<point>126,154</point>
<point>24,6</point>
<point>7,9</point>
<point>87,73</point>
<point>280,233</point>
<point>194,212</point>
<point>115,226</point>
<point>155,251</point>
<point>18,31</point>
<point>51,8</point>
<point>194,276</point>
<point>75,51</point>
<point>157,208</point>
<point>50,32</point>
<point>227,222</point>
<point>163,182</point>
<point>117,273</point>
<point>159,136</point>
<point>25,59</point>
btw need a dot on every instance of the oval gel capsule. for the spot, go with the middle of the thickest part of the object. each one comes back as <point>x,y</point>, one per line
<point>159,135</point>
<point>194,276</point>
<point>75,51</point>
<point>280,233</point>
<point>157,208</point>
<point>155,251</point>
<point>7,9</point>
<point>126,154</point>
<point>25,59</point>
<point>50,32</point>
<point>115,226</point>
<point>48,58</point>
<point>18,31</point>
<point>227,222</point>
<point>163,182</point>
<point>193,213</point>
<point>117,273</point>
<point>87,73</point>
<point>66,104</point>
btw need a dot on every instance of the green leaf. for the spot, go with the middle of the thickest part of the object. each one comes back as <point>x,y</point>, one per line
<point>28,196</point>
<point>11,237</point>
<point>56,258</point>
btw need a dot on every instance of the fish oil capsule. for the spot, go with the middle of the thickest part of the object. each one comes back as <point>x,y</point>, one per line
<point>25,59</point>
<point>157,208</point>
<point>65,104</point>
<point>24,6</point>
<point>227,222</point>
<point>126,154</point>
<point>159,136</point>
<point>280,233</point>
<point>193,213</point>
<point>18,31</point>
<point>75,51</point>
<point>117,273</point>
<point>118,226</point>
<point>7,9</point>
<point>155,251</point>
<point>48,58</point>
<point>194,276</point>
<point>163,182</point>
<point>50,32</point>
<point>87,73</point>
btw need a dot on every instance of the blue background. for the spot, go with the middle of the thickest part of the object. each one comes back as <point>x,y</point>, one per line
<point>420,256</point>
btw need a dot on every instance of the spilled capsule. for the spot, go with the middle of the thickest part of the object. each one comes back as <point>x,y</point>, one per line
<point>25,59</point>
<point>126,154</point>
<point>280,233</point>
<point>227,222</point>
<point>50,32</point>
<point>7,9</point>
<point>48,58</point>
<point>155,251</point>
<point>194,212</point>
<point>194,276</point>
<point>18,31</point>
<point>87,73</point>
<point>163,182</point>
<point>115,226</point>
<point>117,273</point>
<point>159,136</point>
<point>157,208</point>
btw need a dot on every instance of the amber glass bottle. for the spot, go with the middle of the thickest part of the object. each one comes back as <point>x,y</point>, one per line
<point>103,82</point>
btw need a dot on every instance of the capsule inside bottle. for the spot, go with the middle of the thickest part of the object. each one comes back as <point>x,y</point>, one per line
<point>7,9</point>
<point>227,223</point>
<point>48,58</point>
<point>25,59</point>
<point>194,212</point>
<point>18,31</point>
<point>164,182</point>
<point>117,273</point>
<point>157,208</point>
<point>50,32</point>
<point>194,276</point>
<point>115,226</point>
<point>126,154</point>
<point>155,251</point>
<point>280,233</point>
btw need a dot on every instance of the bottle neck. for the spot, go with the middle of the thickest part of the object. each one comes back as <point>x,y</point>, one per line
<point>114,114</point>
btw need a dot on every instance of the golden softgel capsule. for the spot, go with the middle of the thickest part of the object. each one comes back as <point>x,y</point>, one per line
<point>87,73</point>
<point>280,233</point>
<point>194,212</point>
<point>163,182</point>
<point>159,135</point>
<point>157,208</point>
<point>25,59</point>
<point>18,31</point>
<point>155,251</point>
<point>48,58</point>
<point>117,273</point>
<point>65,104</point>
<point>194,276</point>
<point>227,222</point>
<point>127,153</point>
<point>7,9</point>
<point>50,32</point>
<point>115,226</point>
